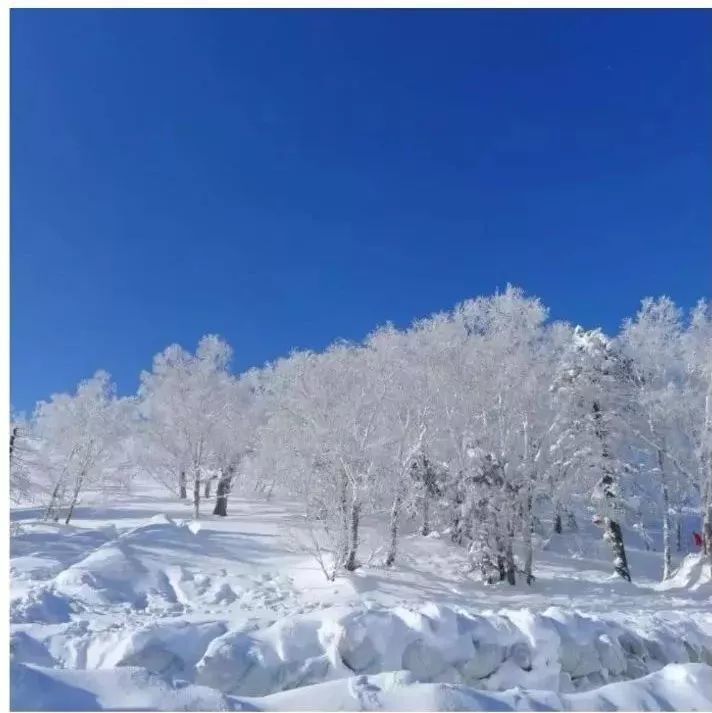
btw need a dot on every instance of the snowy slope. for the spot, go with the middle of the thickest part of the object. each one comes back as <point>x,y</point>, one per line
<point>137,607</point>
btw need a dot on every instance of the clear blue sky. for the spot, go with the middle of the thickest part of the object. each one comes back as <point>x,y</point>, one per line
<point>284,178</point>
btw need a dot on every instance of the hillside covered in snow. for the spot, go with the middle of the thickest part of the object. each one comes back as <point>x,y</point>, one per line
<point>135,605</point>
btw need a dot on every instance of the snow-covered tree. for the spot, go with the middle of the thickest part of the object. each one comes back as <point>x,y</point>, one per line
<point>325,426</point>
<point>184,400</point>
<point>698,397</point>
<point>21,456</point>
<point>594,388</point>
<point>653,343</point>
<point>479,422</point>
<point>80,435</point>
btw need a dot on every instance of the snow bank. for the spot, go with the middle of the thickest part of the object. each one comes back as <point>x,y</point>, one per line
<point>556,650</point>
<point>119,573</point>
<point>171,648</point>
<point>675,687</point>
<point>37,688</point>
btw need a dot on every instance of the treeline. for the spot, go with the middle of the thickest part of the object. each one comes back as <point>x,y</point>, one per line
<point>481,422</point>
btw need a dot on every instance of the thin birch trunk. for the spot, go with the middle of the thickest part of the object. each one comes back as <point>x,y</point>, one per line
<point>351,559</point>
<point>75,497</point>
<point>395,521</point>
<point>53,500</point>
<point>667,528</point>
<point>196,495</point>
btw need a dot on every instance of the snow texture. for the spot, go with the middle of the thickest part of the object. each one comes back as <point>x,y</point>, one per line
<point>130,610</point>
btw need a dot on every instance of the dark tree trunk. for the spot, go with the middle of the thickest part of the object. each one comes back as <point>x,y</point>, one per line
<point>425,527</point>
<point>351,559</point>
<point>222,493</point>
<point>615,537</point>
<point>182,486</point>
<point>206,492</point>
<point>528,544</point>
<point>557,521</point>
<point>500,559</point>
<point>612,532</point>
<point>13,435</point>
<point>509,563</point>
<point>52,501</point>
<point>196,495</point>
<point>457,523</point>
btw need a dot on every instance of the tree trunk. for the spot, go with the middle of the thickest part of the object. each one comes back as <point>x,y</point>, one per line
<point>528,546</point>
<point>75,496</point>
<point>510,567</point>
<point>612,531</point>
<point>425,527</point>
<point>206,493</point>
<point>395,521</point>
<point>667,525</point>
<point>667,536</point>
<point>342,547</point>
<point>52,501</point>
<point>615,537</point>
<point>678,529</point>
<point>571,523</point>
<point>222,493</point>
<point>457,520</point>
<point>13,436</point>
<point>557,518</point>
<point>351,560</point>
<point>667,529</point>
<point>182,486</point>
<point>196,495</point>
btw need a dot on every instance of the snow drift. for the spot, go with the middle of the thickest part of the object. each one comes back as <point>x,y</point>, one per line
<point>556,650</point>
<point>675,687</point>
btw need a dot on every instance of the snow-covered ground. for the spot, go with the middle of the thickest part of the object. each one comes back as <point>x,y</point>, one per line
<point>136,606</point>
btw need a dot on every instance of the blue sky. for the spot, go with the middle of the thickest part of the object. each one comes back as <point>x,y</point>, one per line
<point>287,178</point>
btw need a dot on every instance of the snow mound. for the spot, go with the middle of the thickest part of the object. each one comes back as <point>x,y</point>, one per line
<point>676,687</point>
<point>112,575</point>
<point>556,650</point>
<point>119,572</point>
<point>168,648</point>
<point>37,688</point>
<point>39,550</point>
<point>693,574</point>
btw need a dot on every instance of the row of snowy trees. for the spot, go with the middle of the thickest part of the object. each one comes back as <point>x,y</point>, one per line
<point>481,422</point>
